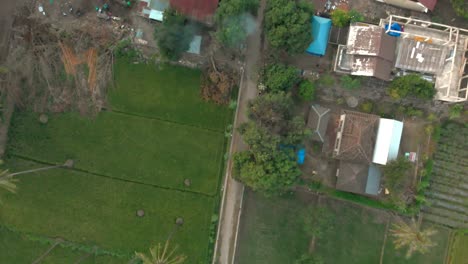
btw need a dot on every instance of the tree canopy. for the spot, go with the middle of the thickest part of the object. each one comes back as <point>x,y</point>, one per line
<point>411,85</point>
<point>265,167</point>
<point>288,25</point>
<point>411,236</point>
<point>273,132</point>
<point>307,90</point>
<point>174,36</point>
<point>234,21</point>
<point>342,18</point>
<point>280,77</point>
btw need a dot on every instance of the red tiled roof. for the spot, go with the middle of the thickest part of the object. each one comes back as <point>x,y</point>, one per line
<point>197,9</point>
<point>430,4</point>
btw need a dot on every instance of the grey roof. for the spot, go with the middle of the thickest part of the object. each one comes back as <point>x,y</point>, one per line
<point>318,121</point>
<point>420,56</point>
<point>352,177</point>
<point>373,180</point>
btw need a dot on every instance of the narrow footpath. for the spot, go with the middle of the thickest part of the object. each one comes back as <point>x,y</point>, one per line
<point>233,191</point>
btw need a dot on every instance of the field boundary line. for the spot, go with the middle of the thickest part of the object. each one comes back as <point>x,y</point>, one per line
<point>382,251</point>
<point>162,120</point>
<point>238,225</point>
<point>112,177</point>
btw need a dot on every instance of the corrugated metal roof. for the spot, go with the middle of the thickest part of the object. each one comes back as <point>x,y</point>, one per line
<point>373,180</point>
<point>430,4</point>
<point>197,9</point>
<point>388,140</point>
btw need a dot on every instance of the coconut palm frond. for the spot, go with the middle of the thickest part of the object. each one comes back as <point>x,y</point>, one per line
<point>160,254</point>
<point>411,236</point>
<point>7,182</point>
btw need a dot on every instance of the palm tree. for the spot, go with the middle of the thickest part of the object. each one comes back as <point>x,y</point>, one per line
<point>412,236</point>
<point>161,255</point>
<point>7,182</point>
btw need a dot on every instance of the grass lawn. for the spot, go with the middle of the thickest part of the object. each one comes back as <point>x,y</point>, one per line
<point>170,93</point>
<point>94,210</point>
<point>272,231</point>
<point>135,158</point>
<point>459,252</point>
<point>10,242</point>
<point>123,146</point>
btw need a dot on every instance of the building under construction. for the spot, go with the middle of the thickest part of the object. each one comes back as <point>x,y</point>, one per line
<point>401,45</point>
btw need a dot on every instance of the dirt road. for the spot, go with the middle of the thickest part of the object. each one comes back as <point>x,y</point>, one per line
<point>233,190</point>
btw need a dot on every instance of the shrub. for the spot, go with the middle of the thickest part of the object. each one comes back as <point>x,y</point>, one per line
<point>455,111</point>
<point>367,107</point>
<point>411,85</point>
<point>326,80</point>
<point>342,18</point>
<point>307,90</point>
<point>460,7</point>
<point>349,82</point>
<point>280,77</point>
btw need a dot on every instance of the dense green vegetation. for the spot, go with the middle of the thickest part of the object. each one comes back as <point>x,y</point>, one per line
<point>411,85</point>
<point>135,158</point>
<point>174,35</point>
<point>234,20</point>
<point>280,77</point>
<point>273,134</point>
<point>287,25</point>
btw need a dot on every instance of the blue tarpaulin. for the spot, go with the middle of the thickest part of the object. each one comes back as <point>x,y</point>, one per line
<point>320,33</point>
<point>396,27</point>
<point>301,156</point>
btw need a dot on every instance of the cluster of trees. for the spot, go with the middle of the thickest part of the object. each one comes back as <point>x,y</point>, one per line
<point>280,77</point>
<point>234,21</point>
<point>411,85</point>
<point>273,131</point>
<point>174,35</point>
<point>287,25</point>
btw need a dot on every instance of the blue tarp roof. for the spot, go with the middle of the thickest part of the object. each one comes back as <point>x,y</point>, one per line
<point>320,32</point>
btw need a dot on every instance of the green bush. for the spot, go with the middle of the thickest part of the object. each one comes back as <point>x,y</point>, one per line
<point>460,7</point>
<point>455,111</point>
<point>326,80</point>
<point>350,83</point>
<point>280,77</point>
<point>342,18</point>
<point>411,85</point>
<point>367,107</point>
<point>307,90</point>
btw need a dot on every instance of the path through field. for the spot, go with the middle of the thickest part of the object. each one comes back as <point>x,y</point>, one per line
<point>232,196</point>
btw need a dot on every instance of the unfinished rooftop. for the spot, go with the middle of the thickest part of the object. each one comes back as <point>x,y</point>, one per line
<point>433,49</point>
